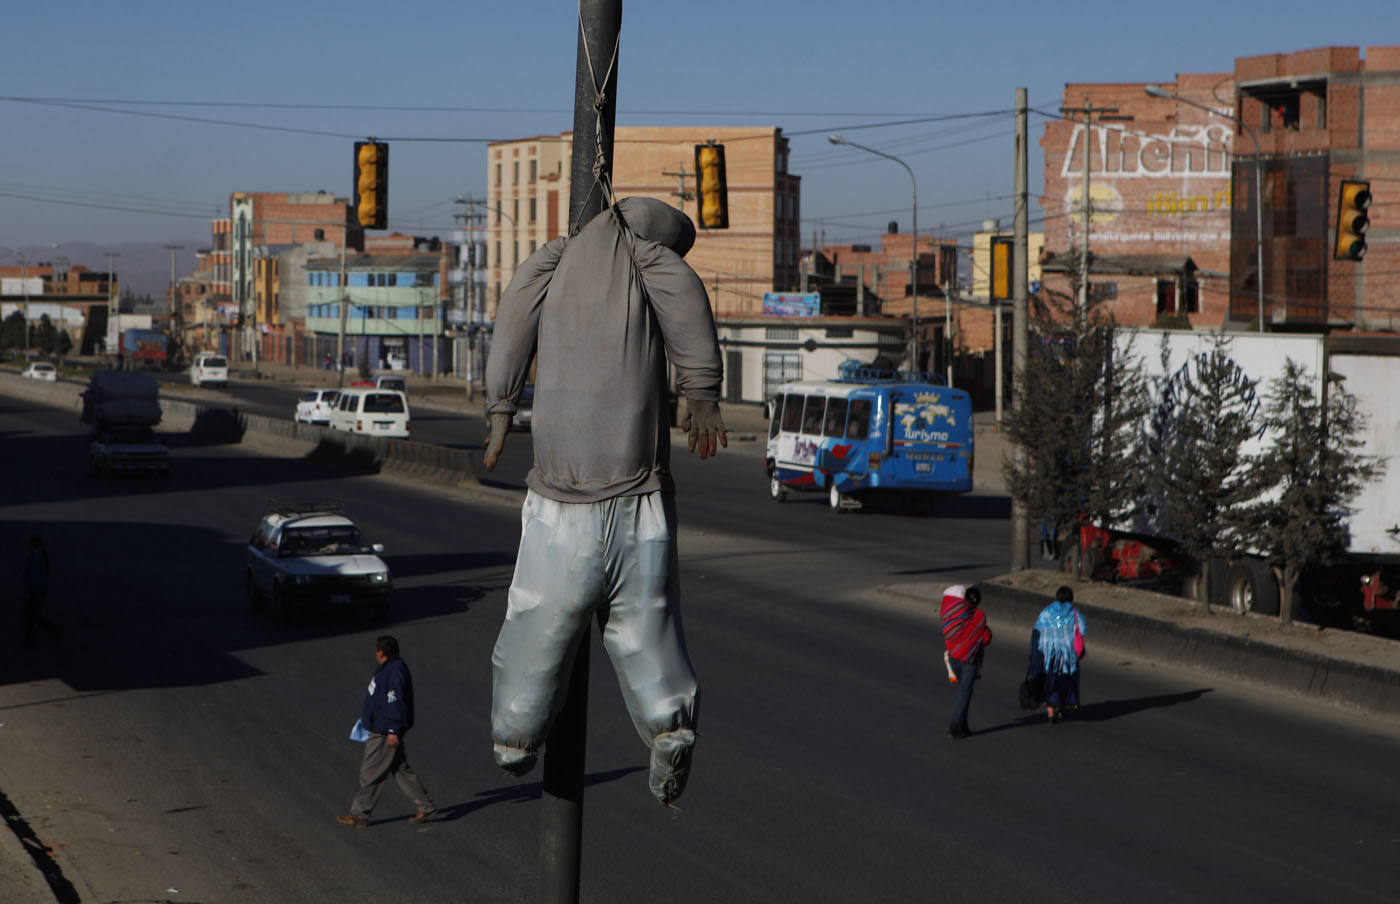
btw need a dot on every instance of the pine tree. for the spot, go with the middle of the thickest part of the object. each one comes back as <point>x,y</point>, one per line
<point>1078,420</point>
<point>12,331</point>
<point>1313,469</point>
<point>1200,480</point>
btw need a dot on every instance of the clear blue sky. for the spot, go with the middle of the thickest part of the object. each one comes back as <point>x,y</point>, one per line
<point>507,70</point>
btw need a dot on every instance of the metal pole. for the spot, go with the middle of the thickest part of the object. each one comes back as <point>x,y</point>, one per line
<point>344,312</point>
<point>1084,220</point>
<point>24,289</point>
<point>1020,325</point>
<point>113,311</point>
<point>561,793</point>
<point>174,302</point>
<point>1258,220</point>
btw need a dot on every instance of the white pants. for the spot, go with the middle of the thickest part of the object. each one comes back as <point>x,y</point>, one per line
<point>615,559</point>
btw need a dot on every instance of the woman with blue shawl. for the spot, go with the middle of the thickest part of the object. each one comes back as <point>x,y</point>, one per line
<point>1057,645</point>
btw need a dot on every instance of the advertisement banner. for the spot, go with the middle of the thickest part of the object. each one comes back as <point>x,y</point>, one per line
<point>792,304</point>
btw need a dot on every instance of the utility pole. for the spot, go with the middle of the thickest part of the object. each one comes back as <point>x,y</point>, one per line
<point>344,313</point>
<point>682,194</point>
<point>474,315</point>
<point>114,317</point>
<point>24,289</point>
<point>1088,110</point>
<point>595,116</point>
<point>176,320</point>
<point>1020,326</point>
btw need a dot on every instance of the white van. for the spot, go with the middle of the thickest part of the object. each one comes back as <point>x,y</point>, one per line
<point>209,370</point>
<point>375,412</point>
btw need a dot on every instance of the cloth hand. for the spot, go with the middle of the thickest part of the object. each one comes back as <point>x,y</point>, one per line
<point>500,426</point>
<point>391,739</point>
<point>703,427</point>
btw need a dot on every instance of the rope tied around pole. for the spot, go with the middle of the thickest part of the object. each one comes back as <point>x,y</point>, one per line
<point>601,182</point>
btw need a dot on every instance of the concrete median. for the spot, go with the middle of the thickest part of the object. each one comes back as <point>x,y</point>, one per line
<point>218,425</point>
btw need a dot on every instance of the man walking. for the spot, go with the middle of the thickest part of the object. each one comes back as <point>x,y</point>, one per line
<point>387,717</point>
<point>965,634</point>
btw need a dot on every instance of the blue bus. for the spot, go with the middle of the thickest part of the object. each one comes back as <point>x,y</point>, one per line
<point>870,434</point>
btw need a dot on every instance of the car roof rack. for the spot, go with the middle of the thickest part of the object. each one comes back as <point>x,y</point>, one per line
<point>289,507</point>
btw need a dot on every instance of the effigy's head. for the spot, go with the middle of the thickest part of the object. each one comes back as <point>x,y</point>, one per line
<point>659,222</point>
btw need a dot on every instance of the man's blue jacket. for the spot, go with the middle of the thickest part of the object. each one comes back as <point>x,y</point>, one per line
<point>389,704</point>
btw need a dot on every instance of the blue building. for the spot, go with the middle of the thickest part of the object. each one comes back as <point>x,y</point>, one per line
<point>389,305</point>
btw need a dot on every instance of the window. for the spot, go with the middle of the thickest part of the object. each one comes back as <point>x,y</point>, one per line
<point>780,333</point>
<point>532,205</point>
<point>515,172</point>
<point>835,424</point>
<point>532,246</point>
<point>792,413</point>
<point>775,417</point>
<point>858,421</point>
<point>379,403</point>
<point>498,256</point>
<point>498,184</point>
<point>1166,296</point>
<point>534,169</point>
<point>515,211</point>
<point>812,414</point>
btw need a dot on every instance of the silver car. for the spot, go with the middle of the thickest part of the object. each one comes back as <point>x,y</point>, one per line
<point>315,407</point>
<point>41,370</point>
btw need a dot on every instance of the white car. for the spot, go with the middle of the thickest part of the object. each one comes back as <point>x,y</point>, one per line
<point>315,406</point>
<point>308,554</point>
<point>209,370</point>
<point>41,370</point>
<point>376,412</point>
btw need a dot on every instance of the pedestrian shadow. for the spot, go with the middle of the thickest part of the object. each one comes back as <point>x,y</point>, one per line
<point>1113,709</point>
<point>1103,711</point>
<point>521,793</point>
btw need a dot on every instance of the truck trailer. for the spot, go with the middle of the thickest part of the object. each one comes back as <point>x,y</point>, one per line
<point>1365,583</point>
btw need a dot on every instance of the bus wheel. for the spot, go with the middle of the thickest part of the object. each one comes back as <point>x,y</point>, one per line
<point>837,500</point>
<point>1250,587</point>
<point>776,490</point>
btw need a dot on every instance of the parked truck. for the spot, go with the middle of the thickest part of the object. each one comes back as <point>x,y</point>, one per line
<point>138,348</point>
<point>121,411</point>
<point>1365,584</point>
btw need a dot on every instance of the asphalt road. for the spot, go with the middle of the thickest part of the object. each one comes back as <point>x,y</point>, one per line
<point>174,747</point>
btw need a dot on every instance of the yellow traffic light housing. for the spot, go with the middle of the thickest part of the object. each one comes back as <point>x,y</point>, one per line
<point>1352,220</point>
<point>711,188</point>
<point>1002,265</point>
<point>372,184</point>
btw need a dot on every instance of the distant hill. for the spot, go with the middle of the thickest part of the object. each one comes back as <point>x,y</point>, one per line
<point>142,267</point>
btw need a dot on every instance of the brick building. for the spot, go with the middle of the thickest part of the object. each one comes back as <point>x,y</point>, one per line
<point>1321,116</point>
<point>274,219</point>
<point>1159,198</point>
<point>397,291</point>
<point>74,298</point>
<point>1172,186</point>
<point>529,185</point>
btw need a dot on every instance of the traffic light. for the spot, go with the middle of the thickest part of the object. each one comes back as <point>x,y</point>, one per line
<point>1002,248</point>
<point>372,184</point>
<point>1352,220</point>
<point>711,189</point>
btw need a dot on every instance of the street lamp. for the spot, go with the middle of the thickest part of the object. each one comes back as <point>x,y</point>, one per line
<point>1160,92</point>
<point>914,271</point>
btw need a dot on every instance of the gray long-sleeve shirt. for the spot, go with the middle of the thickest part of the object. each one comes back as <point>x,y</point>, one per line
<point>602,330</point>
